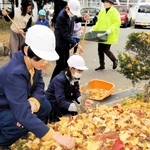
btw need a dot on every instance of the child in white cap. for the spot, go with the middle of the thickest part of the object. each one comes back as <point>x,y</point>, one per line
<point>63,90</point>
<point>23,106</point>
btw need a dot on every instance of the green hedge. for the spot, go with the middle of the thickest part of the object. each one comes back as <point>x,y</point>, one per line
<point>4,25</point>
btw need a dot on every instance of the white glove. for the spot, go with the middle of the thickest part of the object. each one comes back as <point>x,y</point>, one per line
<point>108,31</point>
<point>72,107</point>
<point>79,99</point>
<point>91,30</point>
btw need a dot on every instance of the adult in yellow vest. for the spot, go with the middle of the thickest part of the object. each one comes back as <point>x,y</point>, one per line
<point>109,21</point>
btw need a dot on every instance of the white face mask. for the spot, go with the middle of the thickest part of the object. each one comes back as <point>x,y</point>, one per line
<point>77,75</point>
<point>70,14</point>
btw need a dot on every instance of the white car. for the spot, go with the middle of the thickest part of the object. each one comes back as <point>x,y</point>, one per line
<point>142,18</point>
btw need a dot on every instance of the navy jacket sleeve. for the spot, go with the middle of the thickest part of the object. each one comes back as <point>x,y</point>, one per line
<point>79,19</point>
<point>16,93</point>
<point>76,92</point>
<point>11,15</point>
<point>64,30</point>
<point>29,23</point>
<point>59,93</point>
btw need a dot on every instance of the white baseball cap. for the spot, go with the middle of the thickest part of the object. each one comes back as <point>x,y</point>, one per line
<point>41,40</point>
<point>77,62</point>
<point>74,6</point>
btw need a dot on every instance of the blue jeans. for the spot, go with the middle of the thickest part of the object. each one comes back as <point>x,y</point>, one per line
<point>76,39</point>
<point>10,132</point>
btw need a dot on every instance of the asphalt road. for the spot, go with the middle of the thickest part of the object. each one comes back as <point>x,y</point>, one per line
<point>91,58</point>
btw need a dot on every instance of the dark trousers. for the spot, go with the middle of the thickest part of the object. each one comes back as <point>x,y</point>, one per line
<point>105,49</point>
<point>10,132</point>
<point>61,63</point>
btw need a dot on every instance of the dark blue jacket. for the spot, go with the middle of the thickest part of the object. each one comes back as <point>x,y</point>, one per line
<point>15,89</point>
<point>64,29</point>
<point>44,22</point>
<point>62,91</point>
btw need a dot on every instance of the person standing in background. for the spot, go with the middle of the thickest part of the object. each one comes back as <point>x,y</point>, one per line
<point>42,19</point>
<point>58,6</point>
<point>109,21</point>
<point>22,16</point>
<point>63,32</point>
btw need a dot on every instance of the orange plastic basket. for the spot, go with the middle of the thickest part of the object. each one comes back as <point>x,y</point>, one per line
<point>101,84</point>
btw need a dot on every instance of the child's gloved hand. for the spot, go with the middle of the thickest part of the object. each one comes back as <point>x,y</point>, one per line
<point>72,107</point>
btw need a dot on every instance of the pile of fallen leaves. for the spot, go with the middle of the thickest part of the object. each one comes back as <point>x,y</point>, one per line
<point>124,126</point>
<point>98,94</point>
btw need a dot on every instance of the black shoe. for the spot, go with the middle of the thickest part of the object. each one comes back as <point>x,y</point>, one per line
<point>115,64</point>
<point>4,148</point>
<point>100,68</point>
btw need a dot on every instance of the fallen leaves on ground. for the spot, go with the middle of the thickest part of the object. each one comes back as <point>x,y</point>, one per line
<point>4,37</point>
<point>124,126</point>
